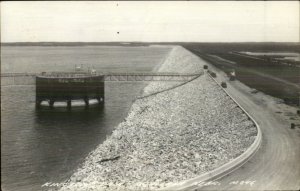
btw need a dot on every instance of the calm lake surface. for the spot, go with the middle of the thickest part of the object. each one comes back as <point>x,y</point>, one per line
<point>39,146</point>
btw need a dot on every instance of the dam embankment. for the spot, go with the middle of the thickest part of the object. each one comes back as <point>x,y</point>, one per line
<point>169,137</point>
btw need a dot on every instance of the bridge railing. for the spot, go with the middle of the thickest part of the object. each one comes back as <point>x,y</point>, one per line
<point>18,74</point>
<point>108,74</point>
<point>8,79</point>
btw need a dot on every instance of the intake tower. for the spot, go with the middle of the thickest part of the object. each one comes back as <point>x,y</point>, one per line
<point>68,86</point>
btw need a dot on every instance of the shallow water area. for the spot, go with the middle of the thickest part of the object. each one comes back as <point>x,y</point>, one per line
<point>283,55</point>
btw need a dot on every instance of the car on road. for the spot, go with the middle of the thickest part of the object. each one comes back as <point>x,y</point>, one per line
<point>224,85</point>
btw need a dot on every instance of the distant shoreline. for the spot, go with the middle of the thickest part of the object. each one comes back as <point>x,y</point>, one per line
<point>138,43</point>
<point>73,44</point>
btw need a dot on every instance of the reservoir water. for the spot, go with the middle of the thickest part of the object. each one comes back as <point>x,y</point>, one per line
<point>39,146</point>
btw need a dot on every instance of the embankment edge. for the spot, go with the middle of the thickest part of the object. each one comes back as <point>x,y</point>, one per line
<point>226,168</point>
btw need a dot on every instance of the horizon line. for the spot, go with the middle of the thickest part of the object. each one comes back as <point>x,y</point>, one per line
<point>149,42</point>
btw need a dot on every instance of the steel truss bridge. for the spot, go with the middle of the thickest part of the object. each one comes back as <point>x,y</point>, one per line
<point>9,79</point>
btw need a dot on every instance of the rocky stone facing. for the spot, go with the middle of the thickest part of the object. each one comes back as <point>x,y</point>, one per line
<point>168,137</point>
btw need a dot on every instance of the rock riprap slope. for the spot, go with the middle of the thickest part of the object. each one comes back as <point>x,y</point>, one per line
<point>168,137</point>
<point>179,61</point>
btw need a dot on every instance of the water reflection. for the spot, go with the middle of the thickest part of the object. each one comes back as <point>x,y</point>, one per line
<point>64,138</point>
<point>44,114</point>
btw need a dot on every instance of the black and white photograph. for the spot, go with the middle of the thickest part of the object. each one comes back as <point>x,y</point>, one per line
<point>150,95</point>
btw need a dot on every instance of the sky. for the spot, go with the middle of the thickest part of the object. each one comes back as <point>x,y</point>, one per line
<point>152,21</point>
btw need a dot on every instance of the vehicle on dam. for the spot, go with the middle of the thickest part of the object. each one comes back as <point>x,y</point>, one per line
<point>232,75</point>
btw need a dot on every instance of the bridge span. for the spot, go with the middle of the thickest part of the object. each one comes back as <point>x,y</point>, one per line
<point>10,79</point>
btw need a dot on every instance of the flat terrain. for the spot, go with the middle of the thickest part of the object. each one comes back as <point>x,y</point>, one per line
<point>279,78</point>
